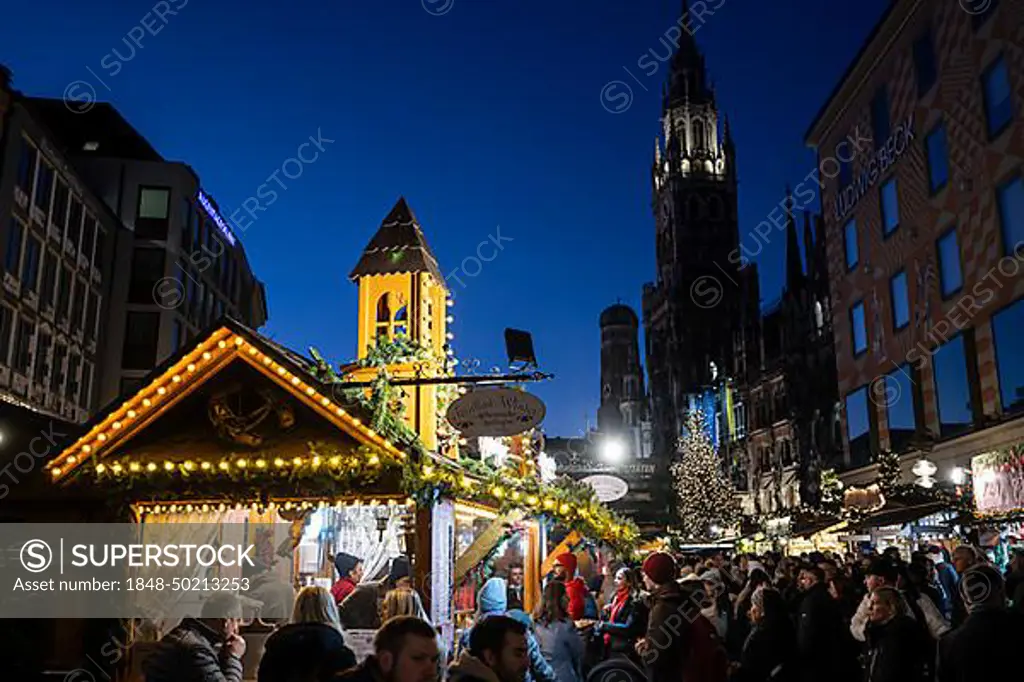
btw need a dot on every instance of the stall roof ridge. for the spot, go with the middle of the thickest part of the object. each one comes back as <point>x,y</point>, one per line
<point>220,345</point>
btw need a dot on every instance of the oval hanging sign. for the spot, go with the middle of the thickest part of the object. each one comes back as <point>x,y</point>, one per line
<point>608,488</point>
<point>496,412</point>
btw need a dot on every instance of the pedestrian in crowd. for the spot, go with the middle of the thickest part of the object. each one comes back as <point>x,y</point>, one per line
<point>706,659</point>
<point>964,557</point>
<point>350,573</point>
<point>565,571</point>
<point>515,586</point>
<point>1015,575</point>
<point>884,572</point>
<point>946,576</point>
<point>741,624</point>
<point>491,602</point>
<point>627,617</point>
<point>497,652</point>
<point>403,601</point>
<point>400,573</point>
<point>823,641</point>
<point>404,650</point>
<point>275,594</point>
<point>716,602</point>
<point>898,649</point>
<point>360,610</point>
<point>204,649</point>
<point>309,648</point>
<point>559,641</point>
<point>665,647</point>
<point>770,648</point>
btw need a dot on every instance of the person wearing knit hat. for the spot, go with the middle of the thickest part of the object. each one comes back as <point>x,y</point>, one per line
<point>350,572</point>
<point>663,647</point>
<point>400,573</point>
<point>565,571</point>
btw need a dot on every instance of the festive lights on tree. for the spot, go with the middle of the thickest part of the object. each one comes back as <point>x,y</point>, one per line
<point>705,499</point>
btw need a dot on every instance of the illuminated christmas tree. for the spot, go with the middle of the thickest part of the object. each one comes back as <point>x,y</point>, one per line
<point>705,499</point>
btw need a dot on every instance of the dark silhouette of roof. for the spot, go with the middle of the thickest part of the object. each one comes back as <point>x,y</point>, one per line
<point>398,246</point>
<point>103,125</point>
<point>619,314</point>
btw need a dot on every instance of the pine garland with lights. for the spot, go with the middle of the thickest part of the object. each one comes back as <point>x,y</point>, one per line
<point>831,492</point>
<point>889,474</point>
<point>705,497</point>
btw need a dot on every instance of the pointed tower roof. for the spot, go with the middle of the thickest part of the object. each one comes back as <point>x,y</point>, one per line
<point>398,246</point>
<point>688,74</point>
<point>794,268</point>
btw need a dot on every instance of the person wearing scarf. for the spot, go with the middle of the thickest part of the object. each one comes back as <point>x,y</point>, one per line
<point>627,616</point>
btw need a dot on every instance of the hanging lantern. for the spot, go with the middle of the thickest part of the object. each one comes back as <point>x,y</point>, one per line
<point>925,471</point>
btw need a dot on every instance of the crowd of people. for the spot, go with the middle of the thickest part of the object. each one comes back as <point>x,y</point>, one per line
<point>873,618</point>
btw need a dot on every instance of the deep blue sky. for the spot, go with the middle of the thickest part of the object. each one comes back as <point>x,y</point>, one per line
<point>486,116</point>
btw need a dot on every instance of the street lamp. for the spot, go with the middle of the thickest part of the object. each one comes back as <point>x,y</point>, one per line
<point>612,450</point>
<point>958,475</point>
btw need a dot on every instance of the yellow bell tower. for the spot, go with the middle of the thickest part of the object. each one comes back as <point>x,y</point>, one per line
<point>402,292</point>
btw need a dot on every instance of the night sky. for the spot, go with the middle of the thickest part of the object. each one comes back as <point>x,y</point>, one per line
<point>487,116</point>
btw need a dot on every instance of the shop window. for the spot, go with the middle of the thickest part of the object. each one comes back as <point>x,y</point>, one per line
<point>1010,198</point>
<point>950,273</point>
<point>952,388</point>
<point>995,87</point>
<point>900,300</point>
<point>938,159</point>
<point>1008,330</point>
<point>890,207</point>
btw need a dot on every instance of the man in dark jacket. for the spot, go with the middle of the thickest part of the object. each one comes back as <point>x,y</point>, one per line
<point>822,640</point>
<point>979,649</point>
<point>665,647</point>
<point>497,653</point>
<point>207,649</point>
<point>311,652</point>
<point>404,650</point>
<point>897,645</point>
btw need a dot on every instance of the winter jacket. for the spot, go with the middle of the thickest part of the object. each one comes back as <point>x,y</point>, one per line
<point>577,591</point>
<point>562,648</point>
<point>937,625</point>
<point>707,660</point>
<point>367,671</point>
<point>469,668</point>
<point>342,588</point>
<point>361,608</point>
<point>822,640</point>
<point>629,625</point>
<point>768,653</point>
<point>304,651</point>
<point>188,653</point>
<point>492,597</point>
<point>982,648</point>
<point>897,651</point>
<point>668,633</point>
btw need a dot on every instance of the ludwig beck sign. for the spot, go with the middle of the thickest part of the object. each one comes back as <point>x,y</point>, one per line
<point>495,412</point>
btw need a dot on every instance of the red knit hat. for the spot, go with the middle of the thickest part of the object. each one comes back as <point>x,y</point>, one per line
<point>568,560</point>
<point>660,568</point>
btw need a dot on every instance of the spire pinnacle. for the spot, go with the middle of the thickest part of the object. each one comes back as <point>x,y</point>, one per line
<point>794,268</point>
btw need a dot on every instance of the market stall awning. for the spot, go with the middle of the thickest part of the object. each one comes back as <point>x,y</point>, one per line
<point>813,527</point>
<point>893,515</point>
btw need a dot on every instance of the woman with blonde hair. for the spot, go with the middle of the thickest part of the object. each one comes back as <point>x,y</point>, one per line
<point>403,601</point>
<point>311,646</point>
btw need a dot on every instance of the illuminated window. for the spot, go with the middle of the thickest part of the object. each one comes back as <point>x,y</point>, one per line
<point>384,316</point>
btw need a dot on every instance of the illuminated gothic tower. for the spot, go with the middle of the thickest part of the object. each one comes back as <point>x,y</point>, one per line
<point>402,292</point>
<point>691,311</point>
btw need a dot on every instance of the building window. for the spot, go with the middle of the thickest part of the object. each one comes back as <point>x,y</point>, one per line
<point>30,264</point>
<point>142,332</point>
<point>59,215</point>
<point>64,294</point>
<point>995,87</point>
<point>91,312</point>
<point>6,321</point>
<point>880,122</point>
<point>49,277</point>
<point>151,218</point>
<point>12,259</point>
<point>27,166</point>
<point>87,372</point>
<point>21,362</point>
<point>74,360</point>
<point>88,237</point>
<point>952,390</point>
<point>1008,330</point>
<point>78,306</point>
<point>900,300</point>
<point>950,274</point>
<point>384,316</point>
<point>924,62</point>
<point>42,359</point>
<point>97,256</point>
<point>899,408</point>
<point>858,426</point>
<point>858,330</point>
<point>890,207</point>
<point>1010,198</point>
<point>938,159</point>
<point>852,250</point>
<point>147,270</point>
<point>74,232</point>
<point>980,16</point>
<point>57,374</point>
<point>186,223</point>
<point>44,188</point>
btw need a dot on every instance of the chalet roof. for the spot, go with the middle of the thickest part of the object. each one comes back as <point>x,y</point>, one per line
<point>227,341</point>
<point>398,246</point>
